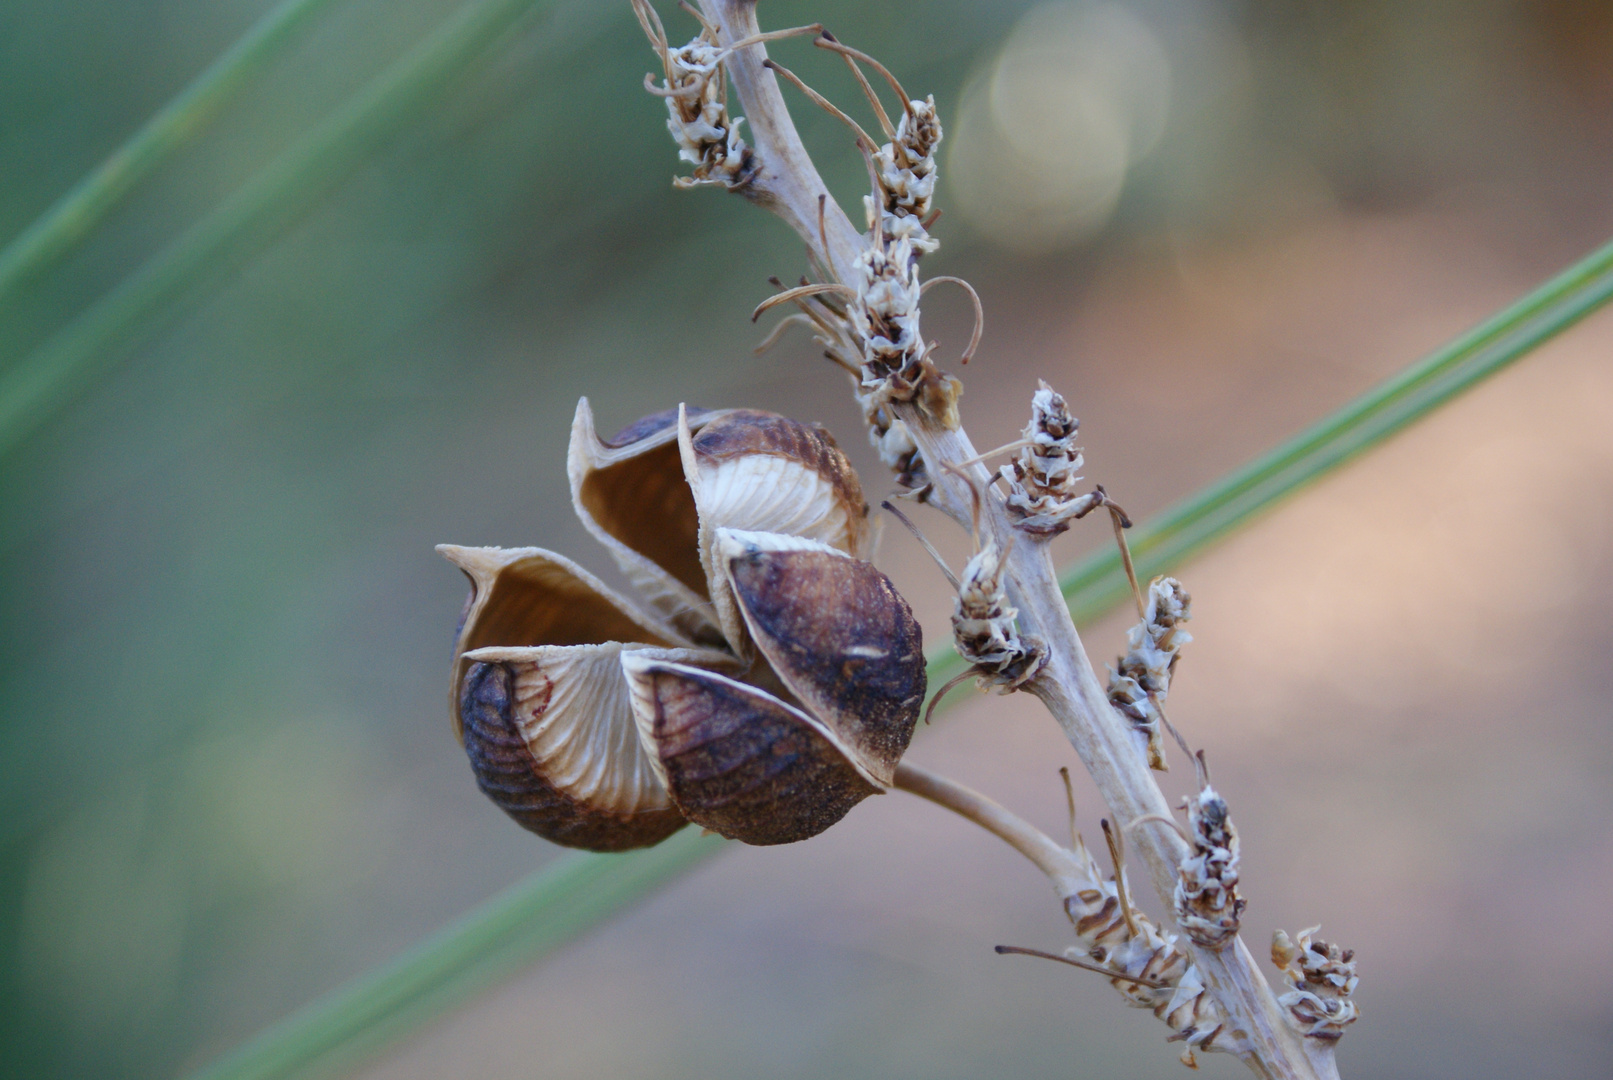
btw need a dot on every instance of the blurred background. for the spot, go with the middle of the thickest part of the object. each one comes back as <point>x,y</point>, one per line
<point>227,782</point>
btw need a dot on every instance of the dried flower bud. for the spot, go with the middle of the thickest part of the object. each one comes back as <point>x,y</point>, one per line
<point>1041,481</point>
<point>983,625</point>
<point>1207,904</point>
<point>906,174</point>
<point>1141,680</point>
<point>1323,978</point>
<point>752,767</point>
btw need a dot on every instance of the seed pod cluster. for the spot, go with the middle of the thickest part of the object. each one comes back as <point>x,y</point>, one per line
<point>765,680</point>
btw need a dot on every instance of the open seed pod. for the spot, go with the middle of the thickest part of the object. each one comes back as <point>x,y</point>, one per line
<point>753,767</point>
<point>761,472</point>
<point>540,704</point>
<point>630,493</point>
<point>839,635</point>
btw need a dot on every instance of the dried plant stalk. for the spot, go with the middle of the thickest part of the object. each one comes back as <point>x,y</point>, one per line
<point>784,180</point>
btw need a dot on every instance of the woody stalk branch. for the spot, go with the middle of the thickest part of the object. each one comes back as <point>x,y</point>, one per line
<point>781,177</point>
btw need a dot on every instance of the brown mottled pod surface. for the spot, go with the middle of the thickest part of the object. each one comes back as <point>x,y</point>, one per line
<point>750,766</point>
<point>838,634</point>
<point>739,761</point>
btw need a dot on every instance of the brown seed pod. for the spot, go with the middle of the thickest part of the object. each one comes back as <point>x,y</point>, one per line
<point>761,472</point>
<point>629,491</point>
<point>752,767</point>
<point>540,704</point>
<point>838,634</point>
<point>739,761</point>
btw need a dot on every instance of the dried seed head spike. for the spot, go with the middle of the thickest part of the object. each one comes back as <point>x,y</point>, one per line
<point>696,95</point>
<point>839,636</point>
<point>739,761</point>
<point>761,472</point>
<point>629,491</point>
<point>1207,905</point>
<point>1323,979</point>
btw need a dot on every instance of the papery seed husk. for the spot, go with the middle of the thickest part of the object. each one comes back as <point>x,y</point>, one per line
<point>739,761</point>
<point>838,634</point>
<point>509,775</point>
<point>629,491</point>
<point>529,596</point>
<point>758,471</point>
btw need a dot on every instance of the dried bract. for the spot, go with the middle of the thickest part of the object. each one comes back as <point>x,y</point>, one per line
<point>1323,978</point>
<point>1141,680</point>
<point>1207,904</point>
<point>1041,481</point>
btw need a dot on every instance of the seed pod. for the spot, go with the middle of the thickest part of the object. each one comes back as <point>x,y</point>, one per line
<point>630,493</point>
<point>540,705</point>
<point>739,761</point>
<point>750,766</point>
<point>839,635</point>
<point>760,472</point>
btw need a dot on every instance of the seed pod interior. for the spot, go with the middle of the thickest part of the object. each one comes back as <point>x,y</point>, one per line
<point>529,596</point>
<point>597,793</point>
<point>761,472</point>
<point>838,634</point>
<point>739,761</point>
<point>630,492</point>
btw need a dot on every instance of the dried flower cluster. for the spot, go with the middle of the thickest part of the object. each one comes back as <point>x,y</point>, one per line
<point>1323,978</point>
<point>1141,679</point>
<point>1207,905</point>
<point>1119,938</point>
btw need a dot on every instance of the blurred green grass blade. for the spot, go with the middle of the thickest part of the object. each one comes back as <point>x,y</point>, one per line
<point>581,890</point>
<point>492,942</point>
<point>1096,584</point>
<point>72,217</point>
<point>256,213</point>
